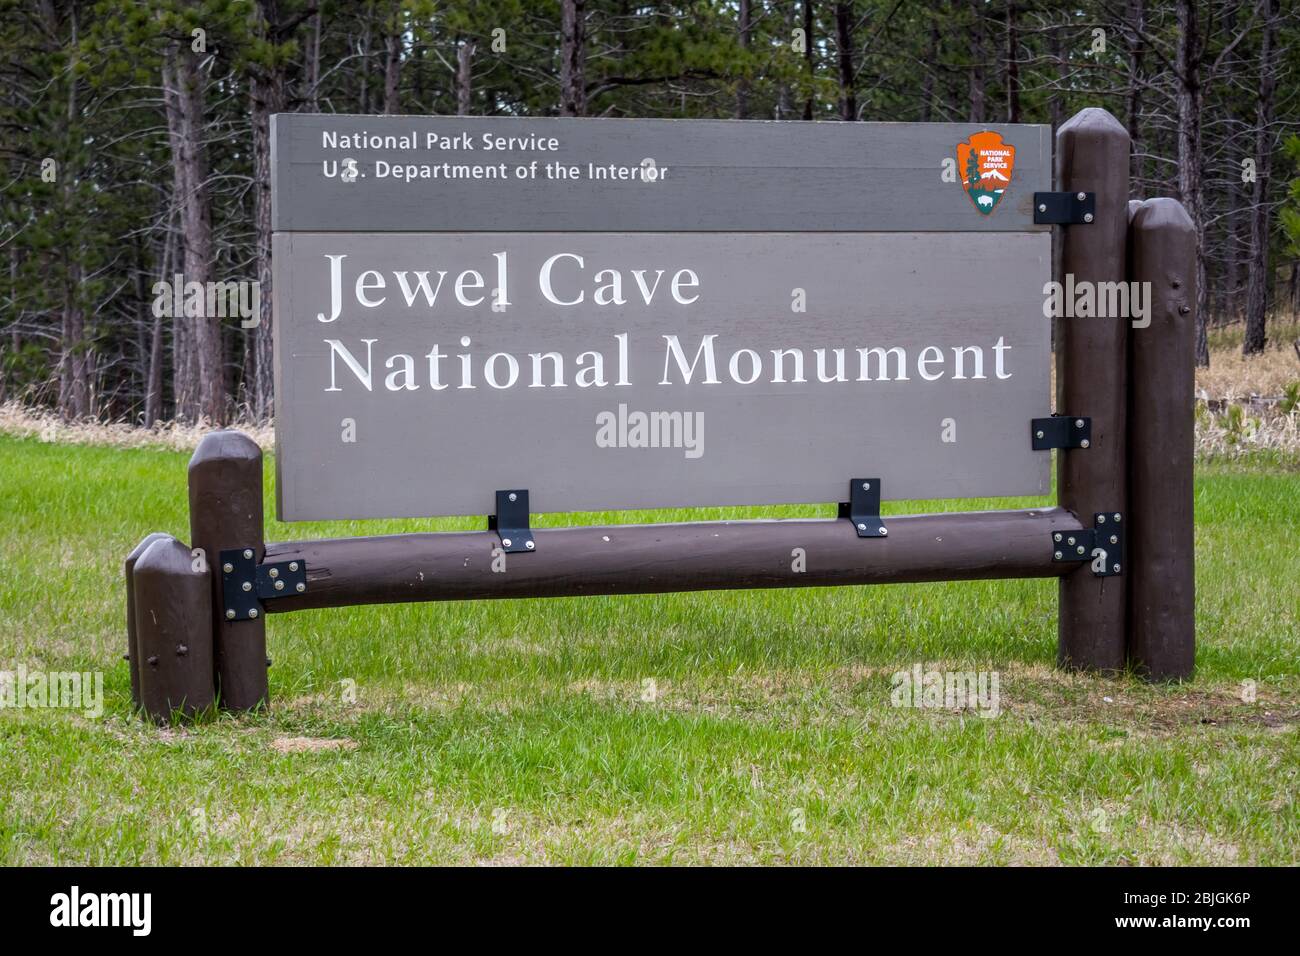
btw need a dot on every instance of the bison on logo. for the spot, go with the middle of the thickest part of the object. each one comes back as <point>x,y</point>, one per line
<point>986,163</point>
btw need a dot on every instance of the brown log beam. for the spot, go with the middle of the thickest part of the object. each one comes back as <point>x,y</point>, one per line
<point>225,480</point>
<point>1161,527</point>
<point>1092,371</point>
<point>700,556</point>
<point>173,628</point>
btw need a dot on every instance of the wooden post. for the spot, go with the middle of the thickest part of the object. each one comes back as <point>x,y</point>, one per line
<point>132,651</point>
<point>173,628</point>
<point>1092,370</point>
<point>225,478</point>
<point>1162,439</point>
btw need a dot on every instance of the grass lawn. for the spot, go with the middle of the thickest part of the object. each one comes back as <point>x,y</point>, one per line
<point>519,731</point>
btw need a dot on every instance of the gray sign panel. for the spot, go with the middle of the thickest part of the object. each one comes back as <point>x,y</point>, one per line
<point>417,373</point>
<point>471,174</point>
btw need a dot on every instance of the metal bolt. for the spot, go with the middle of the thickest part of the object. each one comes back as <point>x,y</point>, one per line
<point>866,486</point>
<point>293,565</point>
<point>1101,519</point>
<point>1078,423</point>
<point>153,661</point>
<point>529,545</point>
<point>301,587</point>
<point>1114,539</point>
<point>1038,434</point>
<point>1116,567</point>
<point>1056,537</point>
<point>227,567</point>
<point>1057,555</point>
<point>1087,217</point>
<point>268,660</point>
<point>1085,443</point>
<point>513,496</point>
<point>279,585</point>
<point>181,650</point>
<point>252,612</point>
<point>248,552</point>
<point>506,542</point>
<point>247,585</point>
<point>1081,196</point>
<point>862,527</point>
<point>883,532</point>
<point>1079,549</point>
<point>1117,517</point>
<point>274,572</point>
<point>230,614</point>
<point>1184,309</point>
<point>1042,207</point>
<point>1070,541</point>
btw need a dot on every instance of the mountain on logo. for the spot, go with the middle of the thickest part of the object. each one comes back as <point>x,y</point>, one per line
<point>987,164</point>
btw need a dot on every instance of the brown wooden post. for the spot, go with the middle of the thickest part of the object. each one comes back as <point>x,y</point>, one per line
<point>1162,439</point>
<point>173,627</point>
<point>132,652</point>
<point>225,479</point>
<point>1092,371</point>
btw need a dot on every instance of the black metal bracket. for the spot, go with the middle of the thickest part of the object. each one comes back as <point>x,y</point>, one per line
<point>1102,544</point>
<point>863,508</point>
<point>245,584</point>
<point>511,521</point>
<point>1064,209</point>
<point>1060,431</point>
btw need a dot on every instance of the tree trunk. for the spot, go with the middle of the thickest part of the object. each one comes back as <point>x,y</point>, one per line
<point>745,25</point>
<point>1013,65</point>
<point>977,63</point>
<point>464,76</point>
<point>573,56</point>
<point>1257,282</point>
<point>1187,67</point>
<point>1135,16</point>
<point>185,362</point>
<point>931,65</point>
<point>844,44</point>
<point>809,64</point>
<point>267,96</point>
<point>392,71</point>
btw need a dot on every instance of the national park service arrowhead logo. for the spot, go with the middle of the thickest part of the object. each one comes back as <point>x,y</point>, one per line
<point>986,164</point>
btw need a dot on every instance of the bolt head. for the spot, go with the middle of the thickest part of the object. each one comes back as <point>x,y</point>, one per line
<point>247,585</point>
<point>1079,549</point>
<point>227,567</point>
<point>862,527</point>
<point>1078,423</point>
<point>1117,518</point>
<point>1116,567</point>
<point>252,612</point>
<point>1042,207</point>
<point>1038,434</point>
<point>230,614</point>
<point>866,486</point>
<point>1085,443</point>
<point>513,496</point>
<point>301,587</point>
<point>883,532</point>
<point>279,585</point>
<point>506,542</point>
<point>275,572</point>
<point>248,552</point>
<point>1081,196</point>
<point>529,545</point>
<point>1087,217</point>
<point>293,565</point>
<point>181,650</point>
<point>1056,537</point>
<point>1101,519</point>
<point>1114,539</point>
<point>1070,541</point>
<point>1057,555</point>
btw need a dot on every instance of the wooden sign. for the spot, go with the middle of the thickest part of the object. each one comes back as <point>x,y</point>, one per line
<point>775,309</point>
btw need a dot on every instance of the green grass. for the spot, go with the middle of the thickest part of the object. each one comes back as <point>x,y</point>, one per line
<point>771,738</point>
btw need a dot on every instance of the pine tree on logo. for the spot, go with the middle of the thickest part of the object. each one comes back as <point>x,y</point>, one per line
<point>973,170</point>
